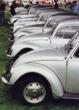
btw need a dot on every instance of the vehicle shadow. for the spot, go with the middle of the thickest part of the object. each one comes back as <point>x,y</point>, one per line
<point>62,103</point>
<point>59,104</point>
<point>52,103</point>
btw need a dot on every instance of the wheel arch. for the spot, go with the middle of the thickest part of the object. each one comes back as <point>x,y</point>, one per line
<point>45,73</point>
<point>22,51</point>
<point>33,75</point>
<point>17,49</point>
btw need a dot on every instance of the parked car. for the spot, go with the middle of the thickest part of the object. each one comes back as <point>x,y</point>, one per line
<point>29,24</point>
<point>42,73</point>
<point>37,28</point>
<point>22,23</point>
<point>43,17</point>
<point>20,10</point>
<point>62,33</point>
<point>32,12</point>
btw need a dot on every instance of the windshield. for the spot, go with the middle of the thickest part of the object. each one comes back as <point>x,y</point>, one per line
<point>44,17</point>
<point>66,31</point>
<point>51,24</point>
<point>32,10</point>
<point>35,13</point>
<point>72,42</point>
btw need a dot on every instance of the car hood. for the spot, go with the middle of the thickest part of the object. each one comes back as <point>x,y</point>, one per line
<point>40,36</point>
<point>28,23</point>
<point>35,29</point>
<point>42,55</point>
<point>32,30</point>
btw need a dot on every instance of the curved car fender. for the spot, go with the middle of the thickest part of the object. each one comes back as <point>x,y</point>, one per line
<point>18,47</point>
<point>47,73</point>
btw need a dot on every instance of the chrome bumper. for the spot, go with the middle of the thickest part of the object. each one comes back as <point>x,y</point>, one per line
<point>9,56</point>
<point>4,80</point>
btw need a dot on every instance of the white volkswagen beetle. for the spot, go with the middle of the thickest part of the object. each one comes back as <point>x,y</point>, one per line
<point>39,73</point>
<point>61,35</point>
<point>19,24</point>
<point>31,26</point>
<point>41,27</point>
<point>32,12</point>
<point>27,22</point>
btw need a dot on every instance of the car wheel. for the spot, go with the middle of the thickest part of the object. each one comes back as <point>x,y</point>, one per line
<point>33,91</point>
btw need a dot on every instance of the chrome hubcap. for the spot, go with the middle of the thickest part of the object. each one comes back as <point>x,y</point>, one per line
<point>34,92</point>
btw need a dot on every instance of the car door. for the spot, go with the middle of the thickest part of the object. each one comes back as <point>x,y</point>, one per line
<point>72,84</point>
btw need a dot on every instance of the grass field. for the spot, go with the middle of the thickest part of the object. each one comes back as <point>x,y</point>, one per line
<point>8,102</point>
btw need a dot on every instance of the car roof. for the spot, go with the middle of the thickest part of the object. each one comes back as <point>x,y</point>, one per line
<point>44,7</point>
<point>62,16</point>
<point>70,20</point>
<point>66,14</point>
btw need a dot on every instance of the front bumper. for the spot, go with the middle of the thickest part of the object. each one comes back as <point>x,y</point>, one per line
<point>8,52</point>
<point>9,56</point>
<point>5,81</point>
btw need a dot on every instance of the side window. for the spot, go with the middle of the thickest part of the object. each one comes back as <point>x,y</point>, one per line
<point>77,53</point>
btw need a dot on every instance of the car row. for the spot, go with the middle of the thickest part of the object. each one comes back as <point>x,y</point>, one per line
<point>44,54</point>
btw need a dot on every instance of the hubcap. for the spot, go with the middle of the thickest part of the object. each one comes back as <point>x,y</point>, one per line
<point>34,92</point>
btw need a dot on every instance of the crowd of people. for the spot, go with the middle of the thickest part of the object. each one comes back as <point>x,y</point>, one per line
<point>12,7</point>
<point>2,9</point>
<point>74,6</point>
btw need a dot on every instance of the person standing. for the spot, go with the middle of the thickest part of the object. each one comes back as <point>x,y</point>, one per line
<point>12,8</point>
<point>75,7</point>
<point>2,10</point>
<point>56,3</point>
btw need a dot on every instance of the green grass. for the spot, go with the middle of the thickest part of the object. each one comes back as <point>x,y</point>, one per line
<point>8,102</point>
